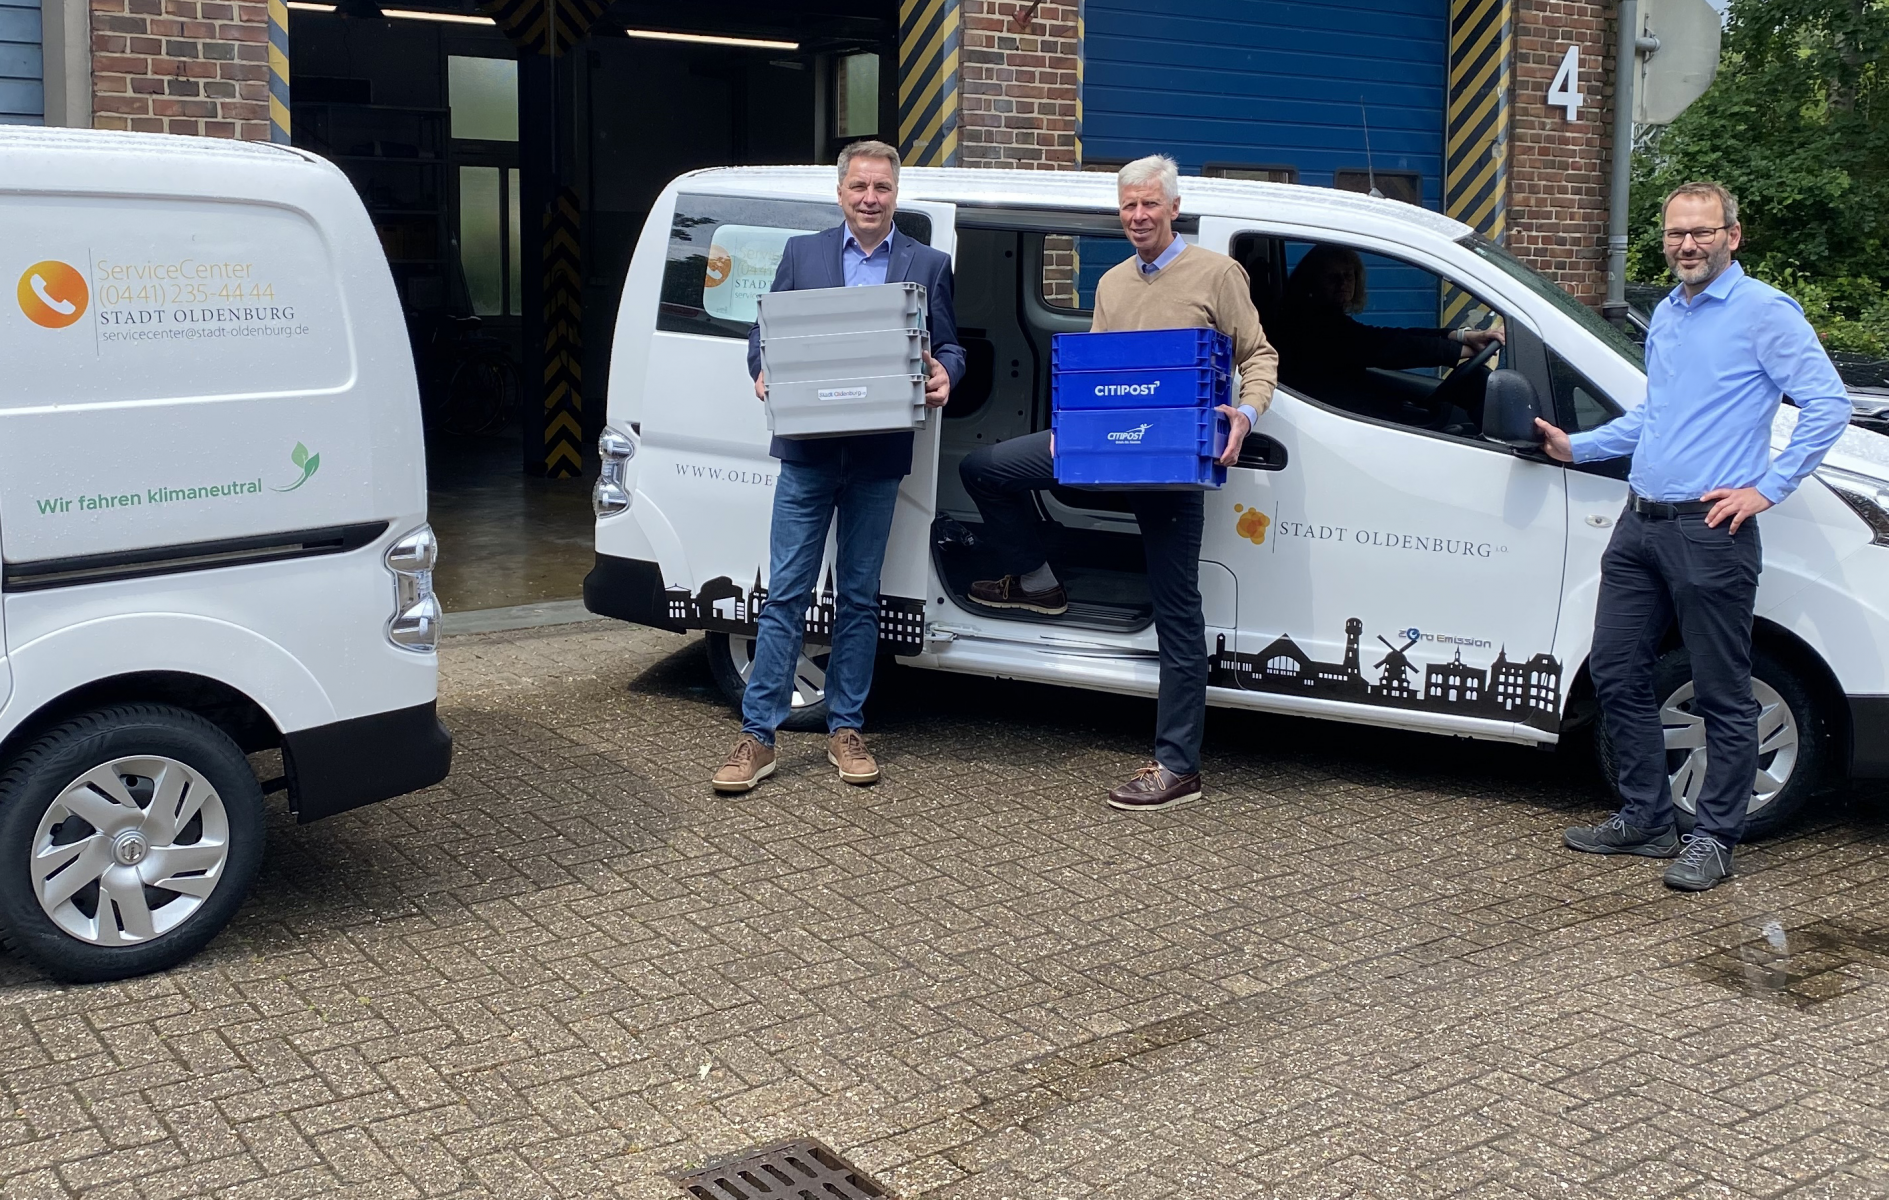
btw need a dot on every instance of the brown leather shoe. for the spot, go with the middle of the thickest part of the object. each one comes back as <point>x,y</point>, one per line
<point>1155,787</point>
<point>846,749</point>
<point>1008,593</point>
<point>748,764</point>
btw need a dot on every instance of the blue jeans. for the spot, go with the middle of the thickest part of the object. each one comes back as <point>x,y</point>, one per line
<point>806,496</point>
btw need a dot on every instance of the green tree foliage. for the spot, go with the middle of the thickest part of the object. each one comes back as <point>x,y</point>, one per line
<point>1797,125</point>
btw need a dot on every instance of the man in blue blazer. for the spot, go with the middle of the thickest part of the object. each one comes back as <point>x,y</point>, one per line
<point>857,477</point>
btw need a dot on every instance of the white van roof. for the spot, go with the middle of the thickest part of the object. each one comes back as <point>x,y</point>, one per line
<point>110,161</point>
<point>1288,202</point>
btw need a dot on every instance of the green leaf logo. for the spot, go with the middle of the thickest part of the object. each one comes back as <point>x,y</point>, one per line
<point>306,462</point>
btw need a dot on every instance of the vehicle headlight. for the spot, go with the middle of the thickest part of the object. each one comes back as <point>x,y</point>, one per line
<point>612,493</point>
<point>1868,498</point>
<point>415,623</point>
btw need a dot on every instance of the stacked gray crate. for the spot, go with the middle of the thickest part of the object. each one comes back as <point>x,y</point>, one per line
<point>845,360</point>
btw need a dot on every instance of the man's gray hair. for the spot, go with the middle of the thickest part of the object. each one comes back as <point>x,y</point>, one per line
<point>1727,203</point>
<point>853,150</point>
<point>1156,168</point>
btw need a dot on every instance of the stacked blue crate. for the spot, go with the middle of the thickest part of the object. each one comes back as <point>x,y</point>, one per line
<point>1138,410</point>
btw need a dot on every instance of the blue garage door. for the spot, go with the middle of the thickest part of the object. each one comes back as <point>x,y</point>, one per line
<point>22,86</point>
<point>1257,83</point>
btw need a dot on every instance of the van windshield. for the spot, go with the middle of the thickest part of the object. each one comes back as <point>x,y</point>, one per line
<point>1546,288</point>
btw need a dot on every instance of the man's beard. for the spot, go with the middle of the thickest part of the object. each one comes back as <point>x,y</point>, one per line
<point>1716,260</point>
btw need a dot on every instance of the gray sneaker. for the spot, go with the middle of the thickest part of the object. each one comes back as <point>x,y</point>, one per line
<point>1703,864</point>
<point>1615,836</point>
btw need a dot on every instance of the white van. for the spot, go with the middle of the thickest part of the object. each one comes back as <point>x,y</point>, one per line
<point>1372,559</point>
<point>213,526</point>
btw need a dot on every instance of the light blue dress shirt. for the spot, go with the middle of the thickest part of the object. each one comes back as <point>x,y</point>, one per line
<point>1716,368</point>
<point>1163,259</point>
<point>861,268</point>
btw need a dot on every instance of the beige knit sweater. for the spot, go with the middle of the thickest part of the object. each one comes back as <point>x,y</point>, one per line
<point>1200,289</point>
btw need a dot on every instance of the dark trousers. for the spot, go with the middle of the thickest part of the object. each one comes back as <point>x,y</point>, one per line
<point>1002,478</point>
<point>1656,571</point>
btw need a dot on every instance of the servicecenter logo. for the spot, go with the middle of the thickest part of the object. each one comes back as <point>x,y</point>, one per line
<point>53,294</point>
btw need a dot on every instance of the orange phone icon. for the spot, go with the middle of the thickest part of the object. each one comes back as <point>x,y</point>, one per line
<point>53,294</point>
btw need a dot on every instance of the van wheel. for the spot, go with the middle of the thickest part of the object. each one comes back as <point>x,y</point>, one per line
<point>1793,742</point>
<point>128,838</point>
<point>731,657</point>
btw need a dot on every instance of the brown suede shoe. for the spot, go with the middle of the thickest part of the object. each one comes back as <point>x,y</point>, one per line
<point>846,749</point>
<point>748,764</point>
<point>1008,593</point>
<point>1155,787</point>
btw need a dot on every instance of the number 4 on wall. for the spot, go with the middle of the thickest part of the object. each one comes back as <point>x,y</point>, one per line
<point>1565,89</point>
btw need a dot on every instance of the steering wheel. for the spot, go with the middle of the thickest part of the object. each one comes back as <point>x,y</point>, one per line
<point>1458,380</point>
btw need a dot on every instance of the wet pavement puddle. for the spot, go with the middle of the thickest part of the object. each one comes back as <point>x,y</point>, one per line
<point>1802,964</point>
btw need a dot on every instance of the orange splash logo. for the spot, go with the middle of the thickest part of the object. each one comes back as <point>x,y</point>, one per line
<point>1253,524</point>
<point>720,266</point>
<point>53,294</point>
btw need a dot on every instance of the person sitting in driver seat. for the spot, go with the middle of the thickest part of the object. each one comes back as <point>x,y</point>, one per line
<point>1324,350</point>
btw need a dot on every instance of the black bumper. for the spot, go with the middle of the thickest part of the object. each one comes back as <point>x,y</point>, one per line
<point>332,768</point>
<point>1869,737</point>
<point>629,589</point>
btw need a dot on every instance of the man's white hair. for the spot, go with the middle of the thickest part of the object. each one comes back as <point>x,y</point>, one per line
<point>1156,168</point>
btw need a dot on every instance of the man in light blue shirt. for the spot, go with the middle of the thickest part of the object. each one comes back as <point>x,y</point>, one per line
<point>1722,352</point>
<point>862,269</point>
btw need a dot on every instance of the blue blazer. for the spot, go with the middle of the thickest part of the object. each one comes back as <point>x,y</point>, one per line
<point>812,260</point>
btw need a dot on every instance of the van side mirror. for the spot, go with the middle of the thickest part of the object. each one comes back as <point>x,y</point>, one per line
<point>1509,409</point>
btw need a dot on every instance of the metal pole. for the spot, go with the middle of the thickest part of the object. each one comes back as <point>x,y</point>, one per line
<point>1626,67</point>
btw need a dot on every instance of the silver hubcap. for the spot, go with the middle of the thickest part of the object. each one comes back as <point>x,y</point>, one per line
<point>809,673</point>
<point>129,850</point>
<point>1778,739</point>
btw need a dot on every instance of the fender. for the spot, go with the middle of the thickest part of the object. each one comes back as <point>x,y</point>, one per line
<point>68,658</point>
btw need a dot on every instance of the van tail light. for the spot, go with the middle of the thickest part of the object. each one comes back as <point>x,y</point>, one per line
<point>612,493</point>
<point>415,623</point>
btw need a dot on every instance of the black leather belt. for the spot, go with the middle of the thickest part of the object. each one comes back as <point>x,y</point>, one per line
<point>1663,510</point>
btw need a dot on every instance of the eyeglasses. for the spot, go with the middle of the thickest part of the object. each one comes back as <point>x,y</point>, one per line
<point>1704,237</point>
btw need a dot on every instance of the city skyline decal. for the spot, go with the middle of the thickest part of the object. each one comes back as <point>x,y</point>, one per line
<point>723,606</point>
<point>1527,691</point>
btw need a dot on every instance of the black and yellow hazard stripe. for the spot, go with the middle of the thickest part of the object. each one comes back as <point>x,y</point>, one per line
<point>544,26</point>
<point>928,82</point>
<point>278,72</point>
<point>1475,173</point>
<point>563,338</point>
<point>1476,141</point>
<point>1082,53</point>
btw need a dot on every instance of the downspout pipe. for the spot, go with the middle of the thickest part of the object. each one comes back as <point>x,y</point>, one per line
<point>1632,45</point>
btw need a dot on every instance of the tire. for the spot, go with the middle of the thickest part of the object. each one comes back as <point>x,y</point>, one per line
<point>157,891</point>
<point>731,656</point>
<point>1794,743</point>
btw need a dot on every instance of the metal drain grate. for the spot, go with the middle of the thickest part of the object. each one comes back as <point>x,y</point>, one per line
<point>802,1170</point>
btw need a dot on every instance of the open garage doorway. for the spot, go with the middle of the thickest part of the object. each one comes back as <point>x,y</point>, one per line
<point>430,113</point>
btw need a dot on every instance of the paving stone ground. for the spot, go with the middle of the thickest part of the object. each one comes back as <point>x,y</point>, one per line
<point>1364,968</point>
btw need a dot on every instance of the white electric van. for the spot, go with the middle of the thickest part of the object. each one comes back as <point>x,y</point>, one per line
<point>213,527</point>
<point>1374,558</point>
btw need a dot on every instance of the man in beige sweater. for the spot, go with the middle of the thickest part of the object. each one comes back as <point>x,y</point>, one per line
<point>1166,285</point>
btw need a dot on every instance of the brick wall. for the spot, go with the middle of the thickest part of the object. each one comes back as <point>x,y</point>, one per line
<point>1558,170</point>
<point>1017,87</point>
<point>181,66</point>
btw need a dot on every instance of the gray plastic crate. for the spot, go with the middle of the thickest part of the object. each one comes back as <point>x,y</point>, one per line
<point>837,407</point>
<point>845,355</point>
<point>818,311</point>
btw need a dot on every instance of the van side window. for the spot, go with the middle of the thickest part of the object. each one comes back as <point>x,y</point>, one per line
<point>724,250</point>
<point>1073,264</point>
<point>1370,335</point>
<point>1579,405</point>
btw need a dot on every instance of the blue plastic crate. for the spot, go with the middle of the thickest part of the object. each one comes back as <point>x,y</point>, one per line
<point>1166,449</point>
<point>1169,387</point>
<point>1142,349</point>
